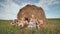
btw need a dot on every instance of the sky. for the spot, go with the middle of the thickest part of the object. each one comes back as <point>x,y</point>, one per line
<point>10,8</point>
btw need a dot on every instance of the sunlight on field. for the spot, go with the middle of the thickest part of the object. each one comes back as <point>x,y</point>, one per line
<point>52,27</point>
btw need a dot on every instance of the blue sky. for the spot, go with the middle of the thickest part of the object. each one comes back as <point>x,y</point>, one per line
<point>10,8</point>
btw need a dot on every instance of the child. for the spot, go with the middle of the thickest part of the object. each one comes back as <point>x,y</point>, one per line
<point>39,23</point>
<point>23,23</point>
<point>32,22</point>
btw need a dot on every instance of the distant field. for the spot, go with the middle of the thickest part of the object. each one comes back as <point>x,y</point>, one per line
<point>52,27</point>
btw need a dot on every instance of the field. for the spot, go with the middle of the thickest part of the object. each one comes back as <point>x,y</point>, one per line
<point>52,27</point>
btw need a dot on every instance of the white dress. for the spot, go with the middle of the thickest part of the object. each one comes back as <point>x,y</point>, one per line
<point>32,24</point>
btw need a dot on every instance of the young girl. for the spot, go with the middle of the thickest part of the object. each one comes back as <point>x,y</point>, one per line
<point>32,22</point>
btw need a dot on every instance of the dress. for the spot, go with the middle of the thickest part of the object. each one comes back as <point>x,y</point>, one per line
<point>32,23</point>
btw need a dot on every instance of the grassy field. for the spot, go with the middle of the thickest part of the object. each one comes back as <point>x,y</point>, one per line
<point>52,27</point>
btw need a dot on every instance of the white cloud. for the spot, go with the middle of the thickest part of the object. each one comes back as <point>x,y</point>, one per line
<point>10,10</point>
<point>49,2</point>
<point>45,3</point>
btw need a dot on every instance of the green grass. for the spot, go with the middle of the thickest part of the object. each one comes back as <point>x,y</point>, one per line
<point>52,27</point>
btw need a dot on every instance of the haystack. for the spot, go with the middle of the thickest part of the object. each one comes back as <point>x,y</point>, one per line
<point>28,10</point>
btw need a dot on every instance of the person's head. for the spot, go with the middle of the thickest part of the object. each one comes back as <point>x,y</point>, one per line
<point>14,22</point>
<point>22,18</point>
<point>33,16</point>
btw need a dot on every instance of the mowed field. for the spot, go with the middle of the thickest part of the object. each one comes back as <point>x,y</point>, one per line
<point>52,26</point>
